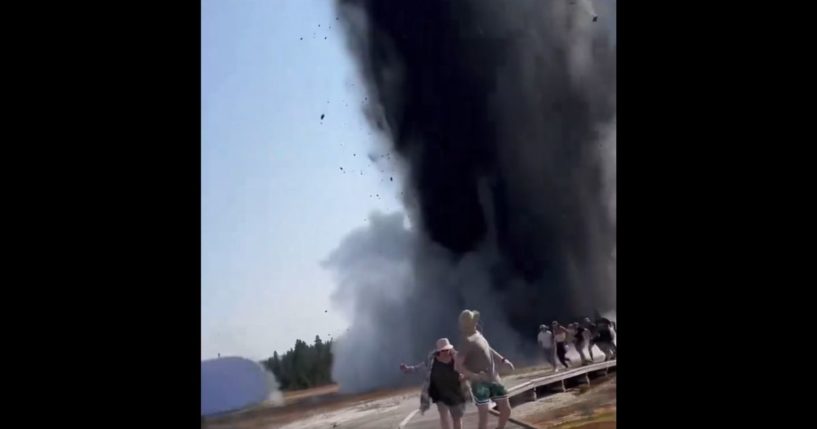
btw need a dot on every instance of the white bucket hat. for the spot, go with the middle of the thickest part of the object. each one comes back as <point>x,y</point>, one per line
<point>444,344</point>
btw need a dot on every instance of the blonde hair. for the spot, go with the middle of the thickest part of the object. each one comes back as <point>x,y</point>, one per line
<point>468,320</point>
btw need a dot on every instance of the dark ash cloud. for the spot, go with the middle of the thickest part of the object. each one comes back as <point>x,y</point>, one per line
<point>503,114</point>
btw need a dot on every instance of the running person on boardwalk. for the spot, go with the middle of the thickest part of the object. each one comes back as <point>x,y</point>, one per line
<point>604,340</point>
<point>479,363</point>
<point>560,334</point>
<point>580,341</point>
<point>545,340</point>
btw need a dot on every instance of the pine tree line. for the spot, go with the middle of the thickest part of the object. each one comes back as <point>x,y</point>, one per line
<point>303,366</point>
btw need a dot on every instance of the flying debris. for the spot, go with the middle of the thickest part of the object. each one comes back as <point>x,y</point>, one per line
<point>587,5</point>
<point>391,179</point>
<point>322,115</point>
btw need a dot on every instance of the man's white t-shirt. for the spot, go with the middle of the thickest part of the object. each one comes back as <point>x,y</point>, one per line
<point>544,339</point>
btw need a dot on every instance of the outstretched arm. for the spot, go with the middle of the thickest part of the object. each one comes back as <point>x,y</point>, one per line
<point>408,369</point>
<point>501,358</point>
<point>497,355</point>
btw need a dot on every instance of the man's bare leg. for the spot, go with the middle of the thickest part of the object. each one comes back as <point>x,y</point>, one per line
<point>445,417</point>
<point>482,411</point>
<point>504,407</point>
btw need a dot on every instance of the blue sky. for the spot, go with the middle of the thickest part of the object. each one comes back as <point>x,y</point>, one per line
<point>274,201</point>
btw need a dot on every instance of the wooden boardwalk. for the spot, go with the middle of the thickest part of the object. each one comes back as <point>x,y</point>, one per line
<point>560,377</point>
<point>527,388</point>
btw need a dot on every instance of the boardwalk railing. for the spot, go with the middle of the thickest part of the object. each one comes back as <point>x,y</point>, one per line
<point>529,387</point>
<point>560,377</point>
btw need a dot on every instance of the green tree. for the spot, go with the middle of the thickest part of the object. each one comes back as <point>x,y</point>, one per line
<point>303,366</point>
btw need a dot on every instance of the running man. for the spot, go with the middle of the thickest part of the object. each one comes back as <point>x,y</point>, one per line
<point>545,339</point>
<point>477,362</point>
<point>559,339</point>
<point>580,340</point>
